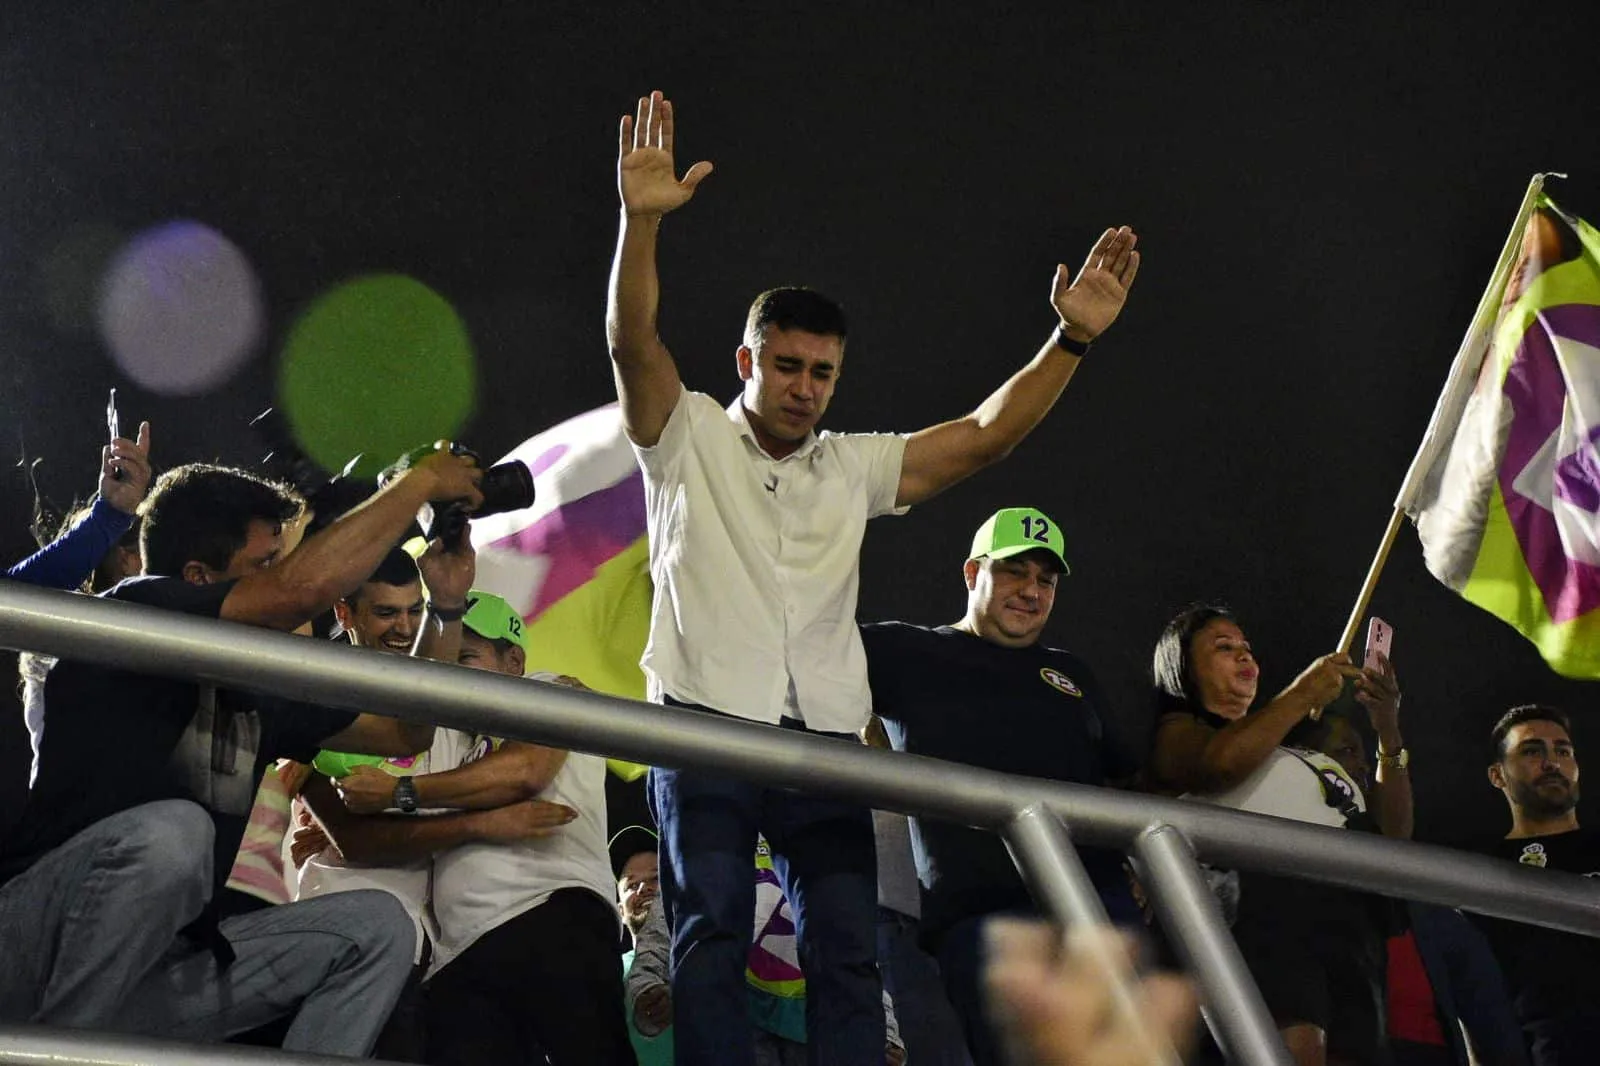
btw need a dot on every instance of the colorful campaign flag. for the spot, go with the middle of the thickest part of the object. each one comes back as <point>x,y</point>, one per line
<point>1505,493</point>
<point>577,563</point>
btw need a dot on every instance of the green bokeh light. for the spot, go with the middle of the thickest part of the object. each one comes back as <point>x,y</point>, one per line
<point>374,368</point>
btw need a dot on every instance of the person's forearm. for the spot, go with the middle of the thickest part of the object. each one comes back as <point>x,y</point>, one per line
<point>514,773</point>
<point>340,557</point>
<point>1392,803</point>
<point>69,560</point>
<point>439,640</point>
<point>394,839</point>
<point>1013,410</point>
<point>635,290</point>
<point>1240,748</point>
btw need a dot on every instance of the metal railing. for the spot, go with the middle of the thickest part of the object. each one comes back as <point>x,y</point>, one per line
<point>1038,818</point>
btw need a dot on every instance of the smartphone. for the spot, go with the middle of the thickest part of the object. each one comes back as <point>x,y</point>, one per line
<point>114,428</point>
<point>1380,639</point>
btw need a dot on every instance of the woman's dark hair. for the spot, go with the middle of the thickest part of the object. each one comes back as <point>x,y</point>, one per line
<point>1170,666</point>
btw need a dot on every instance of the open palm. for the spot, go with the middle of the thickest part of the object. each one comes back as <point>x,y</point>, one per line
<point>646,177</point>
<point>1089,303</point>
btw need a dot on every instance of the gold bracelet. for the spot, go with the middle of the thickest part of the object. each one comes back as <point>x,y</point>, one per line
<point>1400,760</point>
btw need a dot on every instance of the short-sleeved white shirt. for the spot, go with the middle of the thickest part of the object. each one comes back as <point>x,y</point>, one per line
<point>756,563</point>
<point>479,887</point>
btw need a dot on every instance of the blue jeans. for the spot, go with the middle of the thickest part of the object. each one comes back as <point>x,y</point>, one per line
<point>825,857</point>
<point>92,941</point>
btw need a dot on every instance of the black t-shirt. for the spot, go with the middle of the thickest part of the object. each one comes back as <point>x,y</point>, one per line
<point>1033,711</point>
<point>1554,976</point>
<point>115,739</point>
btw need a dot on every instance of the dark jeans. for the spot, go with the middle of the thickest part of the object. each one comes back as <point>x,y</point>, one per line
<point>961,954</point>
<point>826,860</point>
<point>928,1024</point>
<point>547,982</point>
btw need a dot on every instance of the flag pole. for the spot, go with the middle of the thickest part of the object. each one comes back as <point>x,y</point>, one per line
<point>1463,375</point>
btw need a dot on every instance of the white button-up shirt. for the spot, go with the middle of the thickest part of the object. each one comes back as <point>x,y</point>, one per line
<point>756,563</point>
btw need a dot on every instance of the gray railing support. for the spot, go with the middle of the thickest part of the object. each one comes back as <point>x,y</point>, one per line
<point>1042,849</point>
<point>38,1045</point>
<point>1189,912</point>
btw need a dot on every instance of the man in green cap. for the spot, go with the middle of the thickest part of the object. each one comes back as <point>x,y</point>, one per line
<point>984,691</point>
<point>524,964</point>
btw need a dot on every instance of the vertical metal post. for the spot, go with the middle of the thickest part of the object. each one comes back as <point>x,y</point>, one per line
<point>1043,851</point>
<point>1189,912</point>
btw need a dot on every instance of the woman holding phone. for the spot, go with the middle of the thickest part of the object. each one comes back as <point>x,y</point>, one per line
<point>1316,952</point>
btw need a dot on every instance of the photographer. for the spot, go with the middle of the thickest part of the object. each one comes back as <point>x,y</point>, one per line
<point>106,882</point>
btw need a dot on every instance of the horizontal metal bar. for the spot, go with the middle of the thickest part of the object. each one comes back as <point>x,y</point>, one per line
<point>157,641</point>
<point>38,1045</point>
<point>1189,912</point>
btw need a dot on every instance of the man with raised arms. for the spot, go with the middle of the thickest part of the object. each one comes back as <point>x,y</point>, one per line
<point>756,522</point>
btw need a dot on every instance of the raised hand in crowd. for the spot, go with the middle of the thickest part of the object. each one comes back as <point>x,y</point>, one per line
<point>1378,690</point>
<point>647,179</point>
<point>456,475</point>
<point>1320,683</point>
<point>125,471</point>
<point>1054,1009</point>
<point>1089,303</point>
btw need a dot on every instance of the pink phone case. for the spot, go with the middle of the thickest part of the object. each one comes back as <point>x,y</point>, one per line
<point>1380,638</point>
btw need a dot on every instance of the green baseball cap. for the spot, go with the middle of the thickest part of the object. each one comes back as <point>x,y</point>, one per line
<point>1014,530</point>
<point>492,618</point>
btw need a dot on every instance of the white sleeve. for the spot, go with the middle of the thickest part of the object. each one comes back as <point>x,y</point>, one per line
<point>674,439</point>
<point>878,458</point>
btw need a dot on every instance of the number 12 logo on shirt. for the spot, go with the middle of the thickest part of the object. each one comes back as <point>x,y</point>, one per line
<point>1057,680</point>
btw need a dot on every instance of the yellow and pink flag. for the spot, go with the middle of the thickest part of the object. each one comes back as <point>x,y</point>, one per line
<point>577,563</point>
<point>1505,492</point>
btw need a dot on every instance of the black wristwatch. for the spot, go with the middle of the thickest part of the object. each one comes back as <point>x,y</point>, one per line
<point>448,614</point>
<point>405,795</point>
<point>1066,343</point>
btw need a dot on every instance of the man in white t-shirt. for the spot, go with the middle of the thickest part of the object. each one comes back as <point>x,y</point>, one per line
<point>756,522</point>
<point>525,969</point>
<point>496,809</point>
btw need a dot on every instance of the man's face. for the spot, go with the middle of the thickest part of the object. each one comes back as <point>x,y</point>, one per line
<point>263,546</point>
<point>1345,747</point>
<point>385,617</point>
<point>788,382</point>
<point>1011,598</point>
<point>1538,770</point>
<point>480,653</point>
<point>638,887</point>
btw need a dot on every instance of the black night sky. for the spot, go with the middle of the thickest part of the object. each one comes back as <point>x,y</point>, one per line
<point>1320,193</point>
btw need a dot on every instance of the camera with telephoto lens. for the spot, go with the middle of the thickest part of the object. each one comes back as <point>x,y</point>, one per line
<point>505,487</point>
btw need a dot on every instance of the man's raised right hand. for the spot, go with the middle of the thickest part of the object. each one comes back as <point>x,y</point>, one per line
<point>455,476</point>
<point>646,177</point>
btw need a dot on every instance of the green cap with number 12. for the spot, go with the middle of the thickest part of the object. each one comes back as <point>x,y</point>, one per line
<point>492,618</point>
<point>1014,530</point>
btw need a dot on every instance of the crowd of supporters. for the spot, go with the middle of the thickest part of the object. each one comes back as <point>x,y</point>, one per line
<point>242,866</point>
